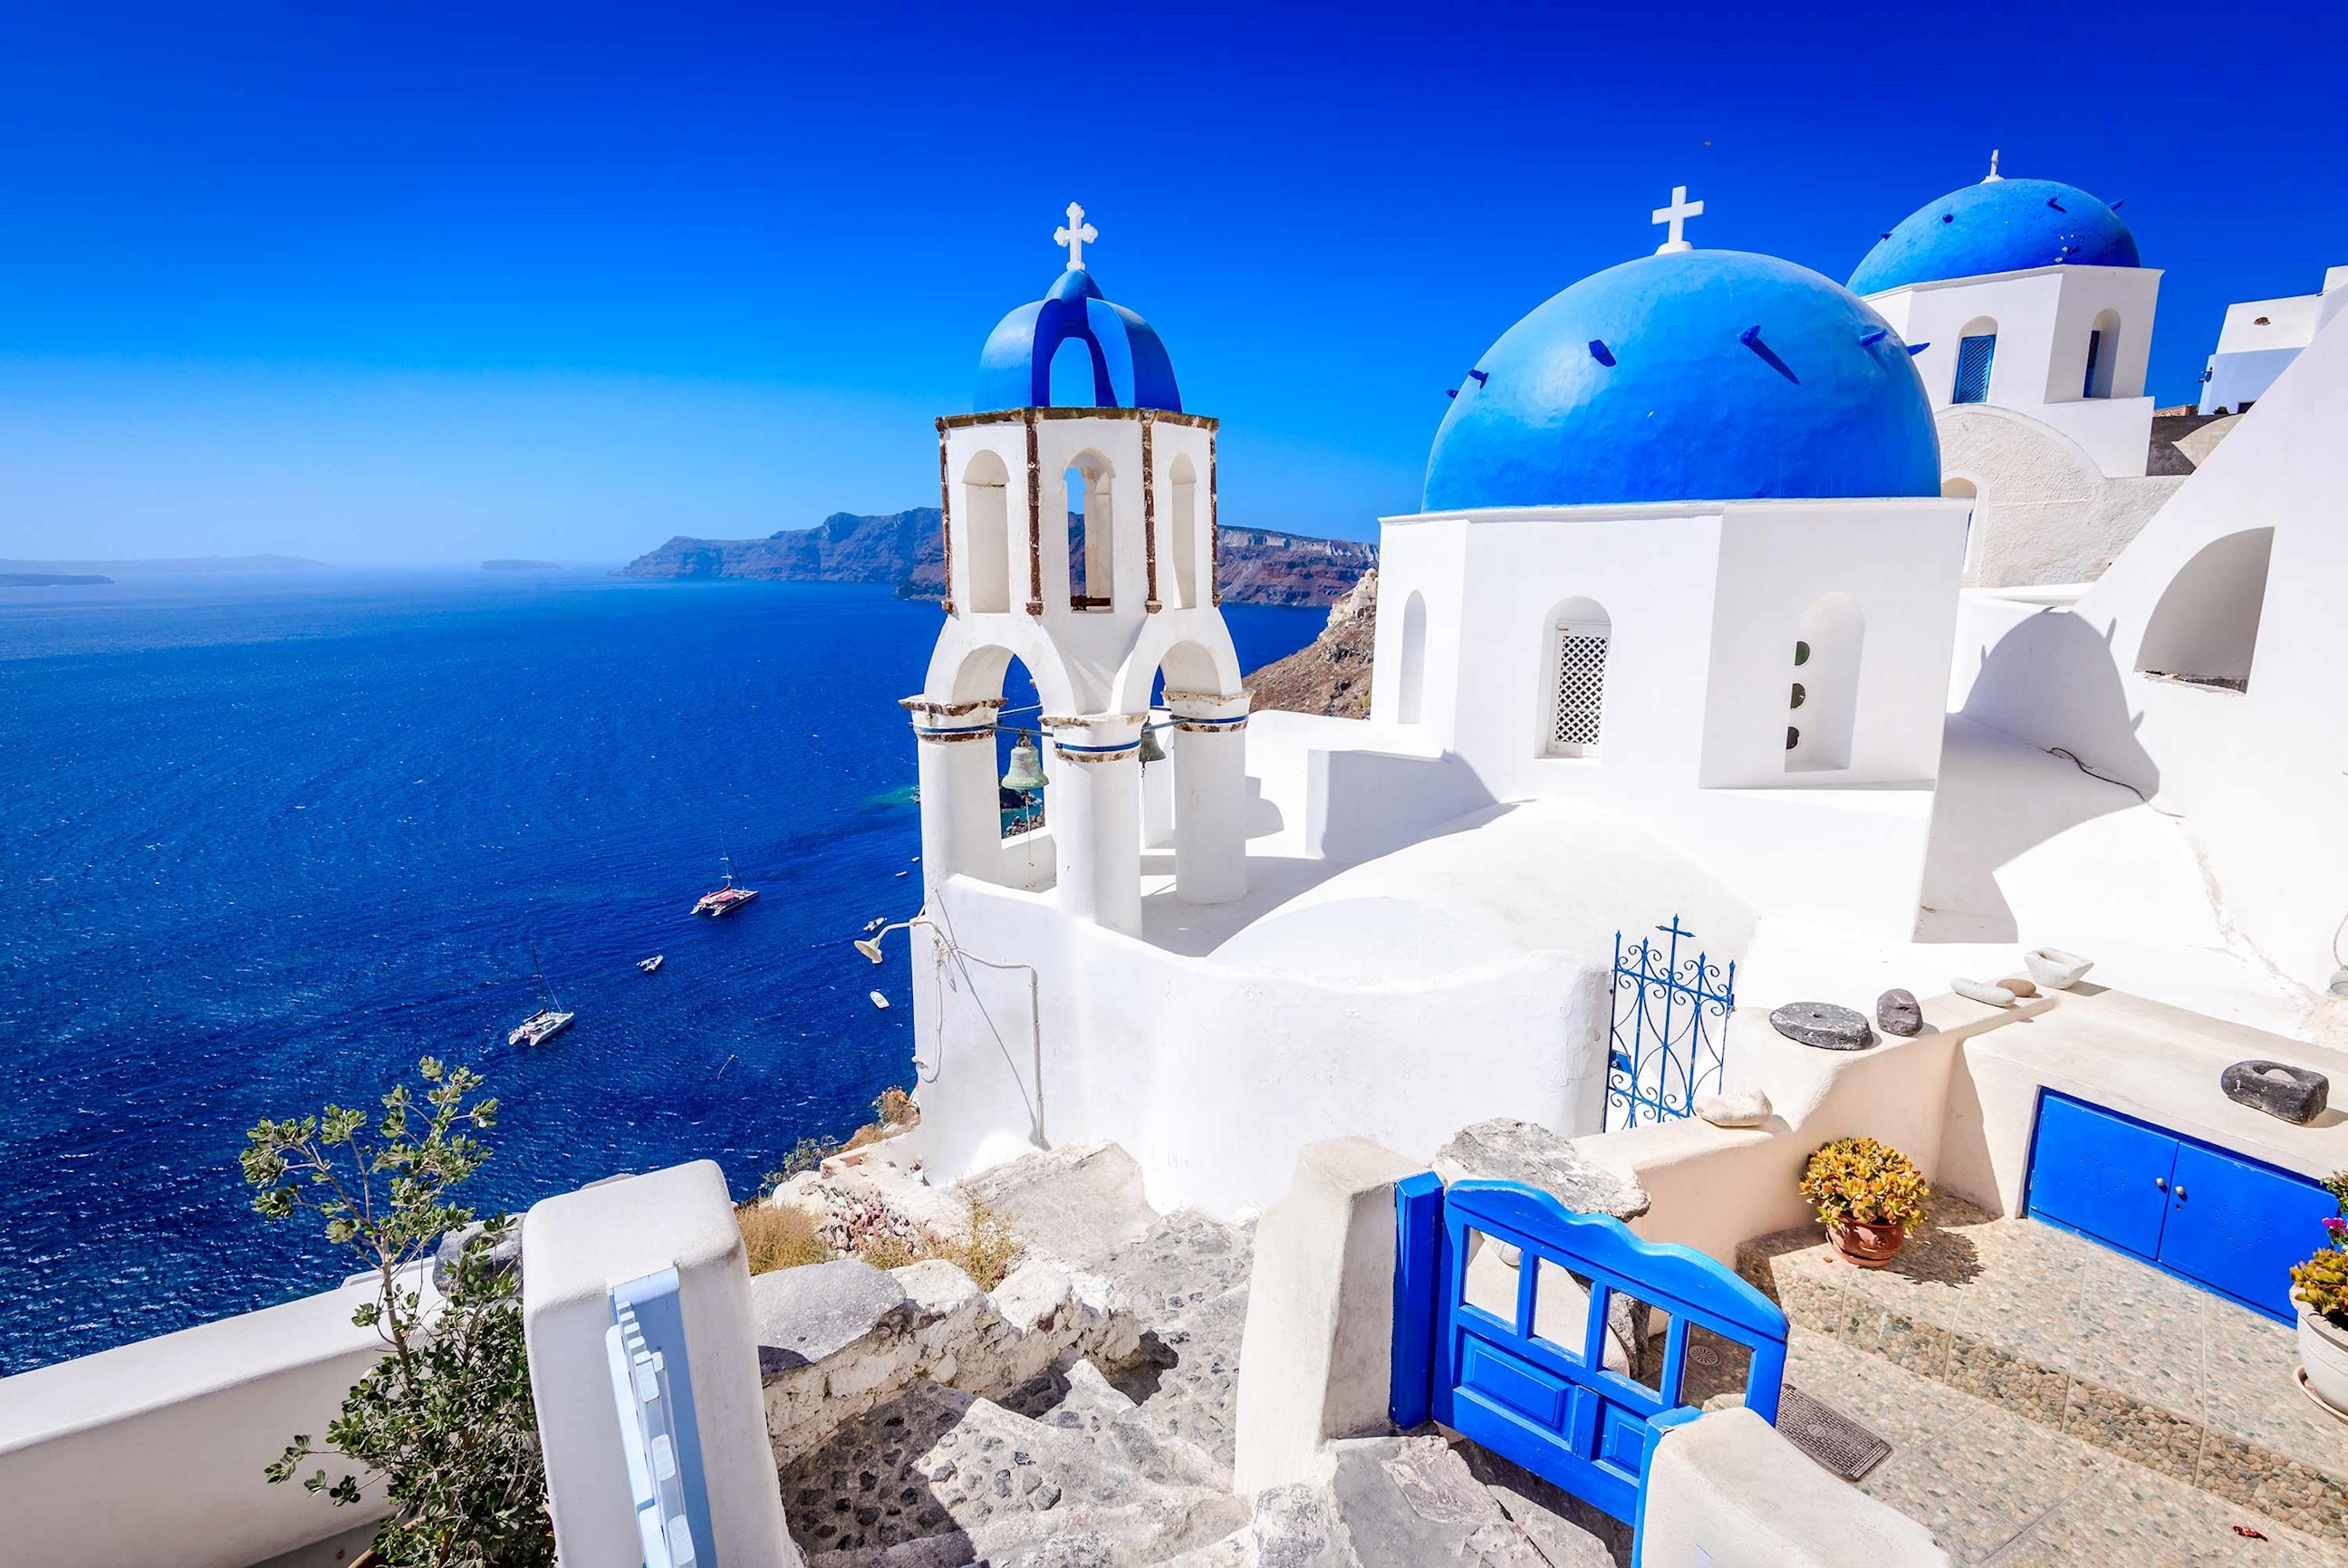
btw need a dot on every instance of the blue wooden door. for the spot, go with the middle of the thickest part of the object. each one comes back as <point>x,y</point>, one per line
<point>2238,1226</point>
<point>2094,1172</point>
<point>1531,1380</point>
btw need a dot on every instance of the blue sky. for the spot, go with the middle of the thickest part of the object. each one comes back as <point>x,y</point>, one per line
<point>427,283</point>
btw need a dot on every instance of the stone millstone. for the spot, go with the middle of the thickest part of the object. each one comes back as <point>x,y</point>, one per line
<point>2296,1094</point>
<point>1897,1013</point>
<point>1823,1025</point>
<point>1507,1150</point>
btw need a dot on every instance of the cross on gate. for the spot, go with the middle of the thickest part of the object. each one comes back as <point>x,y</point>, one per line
<point>1676,215</point>
<point>1077,235</point>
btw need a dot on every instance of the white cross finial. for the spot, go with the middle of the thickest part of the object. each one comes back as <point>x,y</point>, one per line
<point>1994,174</point>
<point>1076,236</point>
<point>1676,215</point>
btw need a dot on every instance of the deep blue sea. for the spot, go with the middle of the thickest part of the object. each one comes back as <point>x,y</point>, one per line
<point>264,842</point>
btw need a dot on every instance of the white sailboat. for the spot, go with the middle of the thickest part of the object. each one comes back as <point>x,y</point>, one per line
<point>549,1020</point>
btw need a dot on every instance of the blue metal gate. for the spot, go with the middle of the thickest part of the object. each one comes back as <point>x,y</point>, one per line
<point>1551,1384</point>
<point>1665,1042</point>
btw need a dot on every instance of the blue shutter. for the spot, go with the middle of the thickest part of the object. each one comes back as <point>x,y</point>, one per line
<point>2094,352</point>
<point>1973,355</point>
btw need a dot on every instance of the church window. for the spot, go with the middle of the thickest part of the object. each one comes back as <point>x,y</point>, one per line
<point>1801,694</point>
<point>1974,353</point>
<point>2094,352</point>
<point>1579,636</point>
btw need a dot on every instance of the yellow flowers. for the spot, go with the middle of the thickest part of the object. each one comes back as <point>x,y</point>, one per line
<point>1858,1180</point>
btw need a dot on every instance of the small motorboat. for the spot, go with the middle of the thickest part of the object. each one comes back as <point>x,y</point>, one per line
<point>539,1027</point>
<point>727,899</point>
<point>652,966</point>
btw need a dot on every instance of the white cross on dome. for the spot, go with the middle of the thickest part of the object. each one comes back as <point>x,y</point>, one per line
<point>1676,215</point>
<point>1077,235</point>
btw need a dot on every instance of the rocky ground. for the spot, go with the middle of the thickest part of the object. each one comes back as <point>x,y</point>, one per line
<point>1332,674</point>
<point>1122,1466</point>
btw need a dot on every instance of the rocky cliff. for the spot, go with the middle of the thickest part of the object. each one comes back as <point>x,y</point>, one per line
<point>1332,674</point>
<point>1259,566</point>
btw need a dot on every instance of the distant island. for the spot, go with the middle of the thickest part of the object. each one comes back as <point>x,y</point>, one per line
<point>905,550</point>
<point>172,567</point>
<point>521,566</point>
<point>51,580</point>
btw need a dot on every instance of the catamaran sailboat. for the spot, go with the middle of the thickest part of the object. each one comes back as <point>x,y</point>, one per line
<point>652,966</point>
<point>549,1020</point>
<point>727,899</point>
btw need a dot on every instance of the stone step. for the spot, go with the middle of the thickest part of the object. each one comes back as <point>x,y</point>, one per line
<point>2085,1342</point>
<point>938,1478</point>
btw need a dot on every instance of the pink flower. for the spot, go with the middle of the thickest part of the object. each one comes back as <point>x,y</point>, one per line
<point>2336,1226</point>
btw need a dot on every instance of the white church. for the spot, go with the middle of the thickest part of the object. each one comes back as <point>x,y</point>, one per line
<point>1692,627</point>
<point>1768,656</point>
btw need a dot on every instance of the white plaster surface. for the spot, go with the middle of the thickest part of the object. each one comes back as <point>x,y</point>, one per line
<point>2256,779</point>
<point>2043,509</point>
<point>1726,1492</point>
<point>1315,1361</point>
<point>2042,318</point>
<point>153,1451</point>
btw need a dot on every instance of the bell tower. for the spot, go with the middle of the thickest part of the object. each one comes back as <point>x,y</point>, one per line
<point>1079,508</point>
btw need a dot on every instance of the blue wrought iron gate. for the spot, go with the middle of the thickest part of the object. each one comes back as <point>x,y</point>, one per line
<point>1551,1384</point>
<point>1666,1035</point>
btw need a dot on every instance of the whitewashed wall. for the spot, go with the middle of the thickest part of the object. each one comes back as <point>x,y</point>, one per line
<point>2044,316</point>
<point>153,1451</point>
<point>1705,603</point>
<point>2258,779</point>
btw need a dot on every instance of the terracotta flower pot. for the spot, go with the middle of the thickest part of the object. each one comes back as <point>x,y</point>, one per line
<point>2323,1351</point>
<point>1869,1244</point>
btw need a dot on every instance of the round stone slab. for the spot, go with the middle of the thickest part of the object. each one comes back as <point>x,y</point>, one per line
<point>1823,1025</point>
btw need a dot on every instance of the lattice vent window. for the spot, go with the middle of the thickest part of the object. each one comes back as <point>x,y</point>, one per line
<point>1581,695</point>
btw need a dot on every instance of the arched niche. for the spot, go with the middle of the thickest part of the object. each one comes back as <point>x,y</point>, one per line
<point>1576,638</point>
<point>1976,354</point>
<point>1092,532</point>
<point>2103,355</point>
<point>986,533</point>
<point>1181,535</point>
<point>1410,680</point>
<point>1963,487</point>
<point>2206,626</point>
<point>1822,707</point>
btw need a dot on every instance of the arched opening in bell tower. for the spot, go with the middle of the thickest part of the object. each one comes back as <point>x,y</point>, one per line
<point>1092,534</point>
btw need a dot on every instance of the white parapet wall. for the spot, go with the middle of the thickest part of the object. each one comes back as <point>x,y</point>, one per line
<point>1725,1491</point>
<point>1315,1363</point>
<point>576,1248</point>
<point>154,1452</point>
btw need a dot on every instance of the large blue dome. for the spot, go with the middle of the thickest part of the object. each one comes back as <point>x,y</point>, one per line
<point>1695,376</point>
<point>1997,226</point>
<point>1130,366</point>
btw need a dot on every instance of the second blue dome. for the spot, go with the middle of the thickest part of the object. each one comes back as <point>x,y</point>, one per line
<point>1695,376</point>
<point>1998,226</point>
